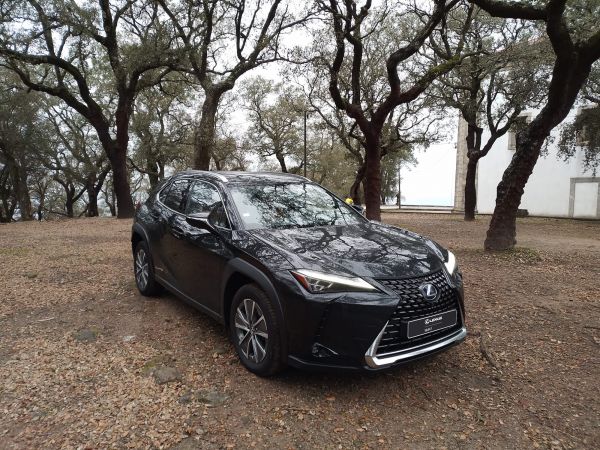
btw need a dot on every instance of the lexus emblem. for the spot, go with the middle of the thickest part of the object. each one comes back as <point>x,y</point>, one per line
<point>429,292</point>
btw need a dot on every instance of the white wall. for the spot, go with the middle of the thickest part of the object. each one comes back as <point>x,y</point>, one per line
<point>548,190</point>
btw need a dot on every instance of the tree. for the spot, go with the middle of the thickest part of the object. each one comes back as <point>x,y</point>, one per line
<point>584,131</point>
<point>351,26</point>
<point>493,87</point>
<point>227,153</point>
<point>210,34</point>
<point>574,34</point>
<point>76,158</point>
<point>162,129</point>
<point>22,136</point>
<point>56,47</point>
<point>408,125</point>
<point>275,126</point>
<point>329,164</point>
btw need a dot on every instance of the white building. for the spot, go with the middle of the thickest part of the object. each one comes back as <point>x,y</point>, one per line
<point>556,188</point>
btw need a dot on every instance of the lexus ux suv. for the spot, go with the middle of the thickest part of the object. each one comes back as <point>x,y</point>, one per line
<point>296,275</point>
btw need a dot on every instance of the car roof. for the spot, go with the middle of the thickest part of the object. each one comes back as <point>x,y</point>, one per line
<point>246,177</point>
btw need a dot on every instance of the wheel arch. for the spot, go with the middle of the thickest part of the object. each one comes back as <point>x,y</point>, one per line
<point>138,234</point>
<point>239,273</point>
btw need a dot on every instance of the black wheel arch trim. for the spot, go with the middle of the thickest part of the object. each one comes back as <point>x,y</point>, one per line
<point>137,228</point>
<point>238,265</point>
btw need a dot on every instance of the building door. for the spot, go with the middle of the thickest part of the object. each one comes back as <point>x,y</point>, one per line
<point>585,198</point>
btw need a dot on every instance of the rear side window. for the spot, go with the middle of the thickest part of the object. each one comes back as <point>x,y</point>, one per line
<point>176,197</point>
<point>203,197</point>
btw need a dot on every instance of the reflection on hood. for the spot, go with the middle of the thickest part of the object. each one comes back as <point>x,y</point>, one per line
<point>367,250</point>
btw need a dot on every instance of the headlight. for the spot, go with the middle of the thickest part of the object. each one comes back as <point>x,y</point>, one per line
<point>318,283</point>
<point>450,263</point>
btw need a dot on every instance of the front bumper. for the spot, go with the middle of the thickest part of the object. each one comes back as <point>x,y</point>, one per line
<point>342,331</point>
<point>375,361</point>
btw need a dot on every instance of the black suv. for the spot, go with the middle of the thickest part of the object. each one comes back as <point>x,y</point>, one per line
<point>297,275</point>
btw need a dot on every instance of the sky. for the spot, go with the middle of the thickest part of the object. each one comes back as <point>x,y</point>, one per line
<point>431,181</point>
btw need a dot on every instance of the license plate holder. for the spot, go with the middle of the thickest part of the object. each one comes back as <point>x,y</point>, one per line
<point>431,324</point>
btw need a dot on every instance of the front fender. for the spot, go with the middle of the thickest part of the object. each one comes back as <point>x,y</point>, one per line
<point>240,266</point>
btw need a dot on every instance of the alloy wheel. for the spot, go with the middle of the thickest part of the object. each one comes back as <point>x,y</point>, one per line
<point>251,330</point>
<point>141,269</point>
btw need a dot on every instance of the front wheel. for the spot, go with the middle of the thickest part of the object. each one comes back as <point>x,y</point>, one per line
<point>144,270</point>
<point>255,331</point>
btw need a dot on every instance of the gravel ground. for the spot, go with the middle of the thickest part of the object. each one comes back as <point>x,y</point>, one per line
<point>86,362</point>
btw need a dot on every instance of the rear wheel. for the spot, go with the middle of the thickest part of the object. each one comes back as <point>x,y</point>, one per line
<point>144,270</point>
<point>255,331</point>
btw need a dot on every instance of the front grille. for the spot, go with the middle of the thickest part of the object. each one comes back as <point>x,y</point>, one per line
<point>413,306</point>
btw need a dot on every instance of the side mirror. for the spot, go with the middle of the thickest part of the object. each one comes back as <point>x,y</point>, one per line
<point>200,220</point>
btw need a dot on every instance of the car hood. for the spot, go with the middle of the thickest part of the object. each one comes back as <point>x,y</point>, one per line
<point>366,250</point>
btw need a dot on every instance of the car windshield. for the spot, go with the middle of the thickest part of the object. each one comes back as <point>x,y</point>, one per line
<point>290,205</point>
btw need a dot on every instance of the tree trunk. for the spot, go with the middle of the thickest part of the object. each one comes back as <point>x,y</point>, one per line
<point>110,202</point>
<point>502,232</point>
<point>470,189</point>
<point>117,156</point>
<point>125,208</point>
<point>568,77</point>
<point>204,136</point>
<point>70,192</point>
<point>24,199</point>
<point>4,217</point>
<point>19,181</point>
<point>153,170</point>
<point>40,210</point>
<point>92,194</point>
<point>355,194</point>
<point>281,160</point>
<point>92,209</point>
<point>373,179</point>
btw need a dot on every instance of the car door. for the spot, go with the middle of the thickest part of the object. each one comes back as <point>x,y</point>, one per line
<point>154,218</point>
<point>206,252</point>
<point>171,247</point>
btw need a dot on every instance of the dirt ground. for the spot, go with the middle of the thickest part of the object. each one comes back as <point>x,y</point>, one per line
<point>80,351</point>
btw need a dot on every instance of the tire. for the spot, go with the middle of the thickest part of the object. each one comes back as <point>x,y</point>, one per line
<point>260,355</point>
<point>143,270</point>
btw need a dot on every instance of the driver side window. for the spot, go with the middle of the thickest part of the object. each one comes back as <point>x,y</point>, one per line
<point>204,198</point>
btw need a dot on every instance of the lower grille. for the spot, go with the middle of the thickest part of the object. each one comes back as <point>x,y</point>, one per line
<point>413,306</point>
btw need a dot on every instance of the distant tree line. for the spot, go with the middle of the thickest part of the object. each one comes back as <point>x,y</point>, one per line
<point>102,99</point>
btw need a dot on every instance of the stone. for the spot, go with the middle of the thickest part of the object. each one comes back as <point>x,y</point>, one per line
<point>165,374</point>
<point>185,398</point>
<point>221,350</point>
<point>212,398</point>
<point>86,335</point>
<point>153,363</point>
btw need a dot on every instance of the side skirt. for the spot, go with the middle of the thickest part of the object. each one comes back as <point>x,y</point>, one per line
<point>200,307</point>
